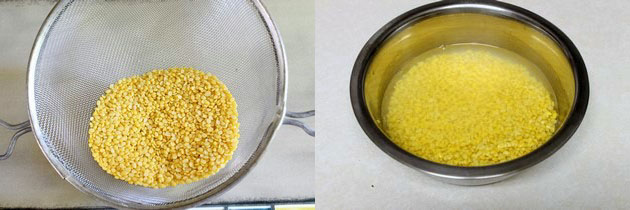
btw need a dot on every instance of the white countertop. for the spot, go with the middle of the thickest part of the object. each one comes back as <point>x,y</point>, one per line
<point>284,173</point>
<point>592,171</point>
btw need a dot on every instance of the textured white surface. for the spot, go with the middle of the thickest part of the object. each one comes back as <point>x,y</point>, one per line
<point>285,172</point>
<point>592,171</point>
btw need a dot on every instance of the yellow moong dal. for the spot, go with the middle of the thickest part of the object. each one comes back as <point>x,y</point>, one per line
<point>468,108</point>
<point>164,128</point>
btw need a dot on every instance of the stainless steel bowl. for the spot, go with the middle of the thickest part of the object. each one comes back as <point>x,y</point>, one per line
<point>485,22</point>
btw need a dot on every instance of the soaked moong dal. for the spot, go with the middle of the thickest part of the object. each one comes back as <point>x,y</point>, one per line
<point>469,105</point>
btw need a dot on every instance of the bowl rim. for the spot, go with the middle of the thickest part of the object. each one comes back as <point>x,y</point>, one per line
<point>563,134</point>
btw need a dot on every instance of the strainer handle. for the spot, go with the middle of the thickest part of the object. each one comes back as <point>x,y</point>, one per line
<point>289,121</point>
<point>20,129</point>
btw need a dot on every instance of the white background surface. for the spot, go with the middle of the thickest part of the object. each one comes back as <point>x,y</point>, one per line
<point>592,171</point>
<point>285,171</point>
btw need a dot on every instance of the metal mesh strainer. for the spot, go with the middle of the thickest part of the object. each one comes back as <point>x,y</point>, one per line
<point>84,46</point>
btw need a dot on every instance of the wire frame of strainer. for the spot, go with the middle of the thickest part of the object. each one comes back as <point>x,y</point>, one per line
<point>84,46</point>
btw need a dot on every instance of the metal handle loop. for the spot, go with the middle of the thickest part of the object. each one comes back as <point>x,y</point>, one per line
<point>21,128</point>
<point>310,131</point>
<point>301,114</point>
<point>14,126</point>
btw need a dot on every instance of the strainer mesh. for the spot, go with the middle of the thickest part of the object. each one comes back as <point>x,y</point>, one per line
<point>92,44</point>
